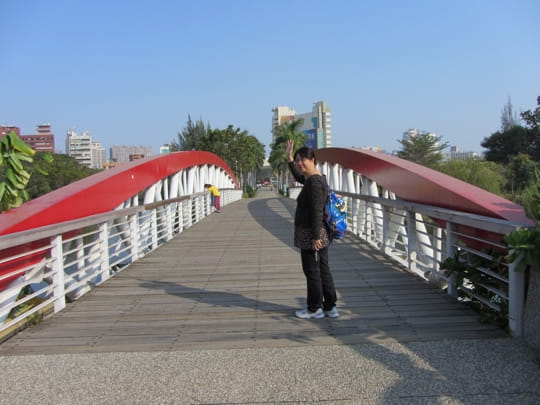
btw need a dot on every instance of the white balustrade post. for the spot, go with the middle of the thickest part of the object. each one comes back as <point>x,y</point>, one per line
<point>437,245</point>
<point>154,228</point>
<point>451,249</point>
<point>169,220</point>
<point>411,240</point>
<point>386,230</point>
<point>180,214</point>
<point>190,212</point>
<point>104,251</point>
<point>79,244</point>
<point>516,298</point>
<point>133,221</point>
<point>196,202</point>
<point>59,290</point>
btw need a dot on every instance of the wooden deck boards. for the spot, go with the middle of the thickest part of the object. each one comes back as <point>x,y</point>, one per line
<point>233,281</point>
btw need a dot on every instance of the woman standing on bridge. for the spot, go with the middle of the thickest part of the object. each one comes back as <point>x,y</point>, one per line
<point>216,195</point>
<point>311,234</point>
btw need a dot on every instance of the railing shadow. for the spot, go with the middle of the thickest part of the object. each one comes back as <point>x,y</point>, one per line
<point>276,215</point>
<point>228,300</point>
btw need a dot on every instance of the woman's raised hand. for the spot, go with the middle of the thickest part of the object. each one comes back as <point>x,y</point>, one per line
<point>289,150</point>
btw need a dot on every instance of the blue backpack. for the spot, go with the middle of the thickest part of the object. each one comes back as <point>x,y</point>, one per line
<point>335,215</point>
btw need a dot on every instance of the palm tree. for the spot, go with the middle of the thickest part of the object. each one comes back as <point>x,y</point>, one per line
<point>252,157</point>
<point>283,133</point>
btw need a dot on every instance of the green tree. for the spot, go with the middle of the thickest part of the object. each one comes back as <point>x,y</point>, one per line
<point>532,122</point>
<point>241,151</point>
<point>503,145</point>
<point>282,133</point>
<point>191,136</point>
<point>253,154</point>
<point>62,170</point>
<point>509,118</point>
<point>424,148</point>
<point>479,172</point>
<point>521,171</point>
<point>525,242</point>
<point>532,118</point>
<point>531,198</point>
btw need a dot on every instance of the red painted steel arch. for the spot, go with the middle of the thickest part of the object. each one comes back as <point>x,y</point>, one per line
<point>95,194</point>
<point>416,183</point>
<point>103,191</point>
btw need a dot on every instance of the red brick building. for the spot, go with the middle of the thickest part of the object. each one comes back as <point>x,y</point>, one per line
<point>6,130</point>
<point>43,141</point>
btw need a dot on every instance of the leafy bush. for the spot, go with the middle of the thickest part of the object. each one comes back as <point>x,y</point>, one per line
<point>250,192</point>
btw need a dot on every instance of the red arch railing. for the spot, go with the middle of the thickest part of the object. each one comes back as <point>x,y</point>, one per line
<point>95,194</point>
<point>416,183</point>
<point>103,191</point>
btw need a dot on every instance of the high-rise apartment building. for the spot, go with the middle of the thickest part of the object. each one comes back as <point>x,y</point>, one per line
<point>281,115</point>
<point>99,155</point>
<point>317,124</point>
<point>80,147</point>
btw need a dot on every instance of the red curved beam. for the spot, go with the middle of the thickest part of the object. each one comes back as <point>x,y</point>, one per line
<point>417,183</point>
<point>103,191</point>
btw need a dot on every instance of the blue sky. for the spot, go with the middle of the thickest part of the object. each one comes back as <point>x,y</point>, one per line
<point>130,72</point>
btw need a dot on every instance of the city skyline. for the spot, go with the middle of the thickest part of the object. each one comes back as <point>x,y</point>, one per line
<point>131,73</point>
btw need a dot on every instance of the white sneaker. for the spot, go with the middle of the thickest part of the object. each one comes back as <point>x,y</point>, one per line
<point>305,314</point>
<point>333,313</point>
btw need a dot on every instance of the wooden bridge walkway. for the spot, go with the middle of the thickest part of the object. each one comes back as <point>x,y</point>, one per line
<point>234,281</point>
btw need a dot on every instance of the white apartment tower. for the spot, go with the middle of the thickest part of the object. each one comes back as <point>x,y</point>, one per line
<point>80,147</point>
<point>99,155</point>
<point>317,124</point>
<point>280,115</point>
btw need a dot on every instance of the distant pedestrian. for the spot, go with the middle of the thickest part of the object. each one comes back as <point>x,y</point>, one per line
<point>311,234</point>
<point>215,196</point>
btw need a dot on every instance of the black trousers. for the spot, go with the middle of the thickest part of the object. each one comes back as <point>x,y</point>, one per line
<point>320,284</point>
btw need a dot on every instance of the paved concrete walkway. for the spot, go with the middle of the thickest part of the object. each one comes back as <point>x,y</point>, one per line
<point>448,372</point>
<point>382,370</point>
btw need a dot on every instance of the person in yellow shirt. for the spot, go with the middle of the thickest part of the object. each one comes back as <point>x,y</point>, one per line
<point>215,196</point>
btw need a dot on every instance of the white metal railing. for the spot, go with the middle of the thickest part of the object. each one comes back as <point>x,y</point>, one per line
<point>61,262</point>
<point>420,237</point>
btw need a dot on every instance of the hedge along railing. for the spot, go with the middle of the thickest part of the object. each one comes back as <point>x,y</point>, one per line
<point>419,237</point>
<point>74,256</point>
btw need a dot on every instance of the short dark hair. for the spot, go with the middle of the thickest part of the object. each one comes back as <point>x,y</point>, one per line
<point>207,185</point>
<point>306,153</point>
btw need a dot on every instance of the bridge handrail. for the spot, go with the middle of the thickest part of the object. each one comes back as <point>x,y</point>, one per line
<point>61,262</point>
<point>24,237</point>
<point>490,224</point>
<point>420,237</point>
